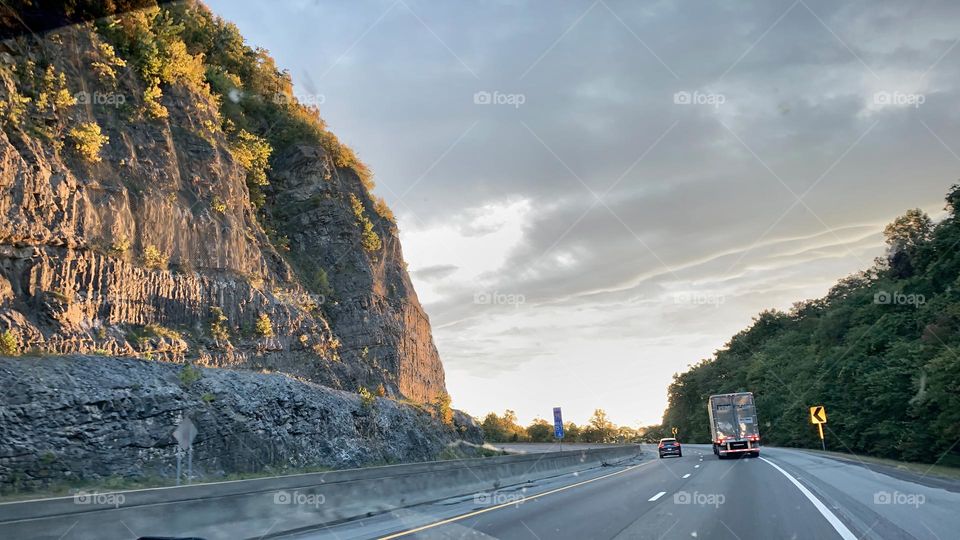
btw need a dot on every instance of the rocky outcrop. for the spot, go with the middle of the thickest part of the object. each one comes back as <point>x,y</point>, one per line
<point>147,249</point>
<point>85,419</point>
<point>166,206</point>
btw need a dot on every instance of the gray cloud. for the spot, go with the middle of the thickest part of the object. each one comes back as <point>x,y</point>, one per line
<point>711,209</point>
<point>436,272</point>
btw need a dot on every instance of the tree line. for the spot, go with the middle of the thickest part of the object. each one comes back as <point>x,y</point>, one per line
<point>879,351</point>
<point>599,429</point>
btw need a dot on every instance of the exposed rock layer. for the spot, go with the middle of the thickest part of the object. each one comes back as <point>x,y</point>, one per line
<point>90,418</point>
<point>75,237</point>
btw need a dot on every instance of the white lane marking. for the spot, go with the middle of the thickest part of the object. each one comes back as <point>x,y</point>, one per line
<point>686,475</point>
<point>831,518</point>
<point>508,504</point>
<point>657,496</point>
<point>696,466</point>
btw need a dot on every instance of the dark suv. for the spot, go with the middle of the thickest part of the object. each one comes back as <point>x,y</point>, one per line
<point>669,447</point>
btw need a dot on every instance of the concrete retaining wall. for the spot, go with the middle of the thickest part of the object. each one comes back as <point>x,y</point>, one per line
<point>267,506</point>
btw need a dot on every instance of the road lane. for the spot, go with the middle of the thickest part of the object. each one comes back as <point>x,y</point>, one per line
<point>731,499</point>
<point>877,505</point>
<point>696,496</point>
<point>668,496</point>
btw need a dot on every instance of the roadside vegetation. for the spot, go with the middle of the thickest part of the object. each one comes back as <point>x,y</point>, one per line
<point>879,351</point>
<point>599,429</point>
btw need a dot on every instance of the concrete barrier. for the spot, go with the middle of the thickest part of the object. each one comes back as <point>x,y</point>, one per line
<point>268,506</point>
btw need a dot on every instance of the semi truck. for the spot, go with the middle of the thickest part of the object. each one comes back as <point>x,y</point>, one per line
<point>734,428</point>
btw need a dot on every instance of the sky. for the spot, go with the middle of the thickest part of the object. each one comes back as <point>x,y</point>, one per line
<point>594,195</point>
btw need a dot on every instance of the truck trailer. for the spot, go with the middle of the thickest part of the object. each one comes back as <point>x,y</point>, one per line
<point>734,427</point>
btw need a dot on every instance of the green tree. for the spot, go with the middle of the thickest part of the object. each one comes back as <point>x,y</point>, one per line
<point>877,351</point>
<point>572,432</point>
<point>904,236</point>
<point>540,431</point>
<point>88,140</point>
<point>601,428</point>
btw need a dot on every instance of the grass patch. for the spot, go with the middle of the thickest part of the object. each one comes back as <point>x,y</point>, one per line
<point>142,334</point>
<point>189,375</point>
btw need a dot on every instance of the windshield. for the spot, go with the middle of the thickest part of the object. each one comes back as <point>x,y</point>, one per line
<point>411,268</point>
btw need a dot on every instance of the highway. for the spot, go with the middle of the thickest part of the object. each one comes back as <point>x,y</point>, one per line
<point>784,494</point>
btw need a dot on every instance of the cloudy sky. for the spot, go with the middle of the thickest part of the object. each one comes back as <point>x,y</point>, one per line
<point>594,195</point>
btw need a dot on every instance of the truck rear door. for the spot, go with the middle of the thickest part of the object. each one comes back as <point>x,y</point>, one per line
<point>724,417</point>
<point>746,416</point>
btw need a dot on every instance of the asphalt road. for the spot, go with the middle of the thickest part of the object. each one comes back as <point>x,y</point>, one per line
<point>784,494</point>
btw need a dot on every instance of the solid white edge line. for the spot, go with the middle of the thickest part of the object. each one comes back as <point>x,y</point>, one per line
<point>831,518</point>
<point>657,496</point>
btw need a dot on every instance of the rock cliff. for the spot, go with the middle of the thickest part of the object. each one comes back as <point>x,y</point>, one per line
<point>95,418</point>
<point>165,197</point>
<point>131,226</point>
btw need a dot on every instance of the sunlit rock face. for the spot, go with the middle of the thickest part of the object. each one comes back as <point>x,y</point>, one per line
<point>154,249</point>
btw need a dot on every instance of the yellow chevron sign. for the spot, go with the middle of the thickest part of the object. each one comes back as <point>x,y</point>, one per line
<point>818,415</point>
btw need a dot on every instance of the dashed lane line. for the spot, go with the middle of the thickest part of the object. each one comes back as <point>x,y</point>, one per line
<point>657,496</point>
<point>504,505</point>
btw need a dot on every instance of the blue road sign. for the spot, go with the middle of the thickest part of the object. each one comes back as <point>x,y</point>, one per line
<point>557,423</point>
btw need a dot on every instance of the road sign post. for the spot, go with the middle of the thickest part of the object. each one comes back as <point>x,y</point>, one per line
<point>818,416</point>
<point>558,426</point>
<point>185,433</point>
<point>179,452</point>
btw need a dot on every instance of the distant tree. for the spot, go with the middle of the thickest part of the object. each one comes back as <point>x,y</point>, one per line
<point>503,429</point>
<point>650,434</point>
<point>904,236</point>
<point>572,432</point>
<point>602,429</point>
<point>953,200</point>
<point>492,428</point>
<point>540,431</point>
<point>626,434</point>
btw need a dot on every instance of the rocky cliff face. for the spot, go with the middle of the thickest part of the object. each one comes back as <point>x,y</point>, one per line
<point>154,245</point>
<point>94,418</point>
<point>167,207</point>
